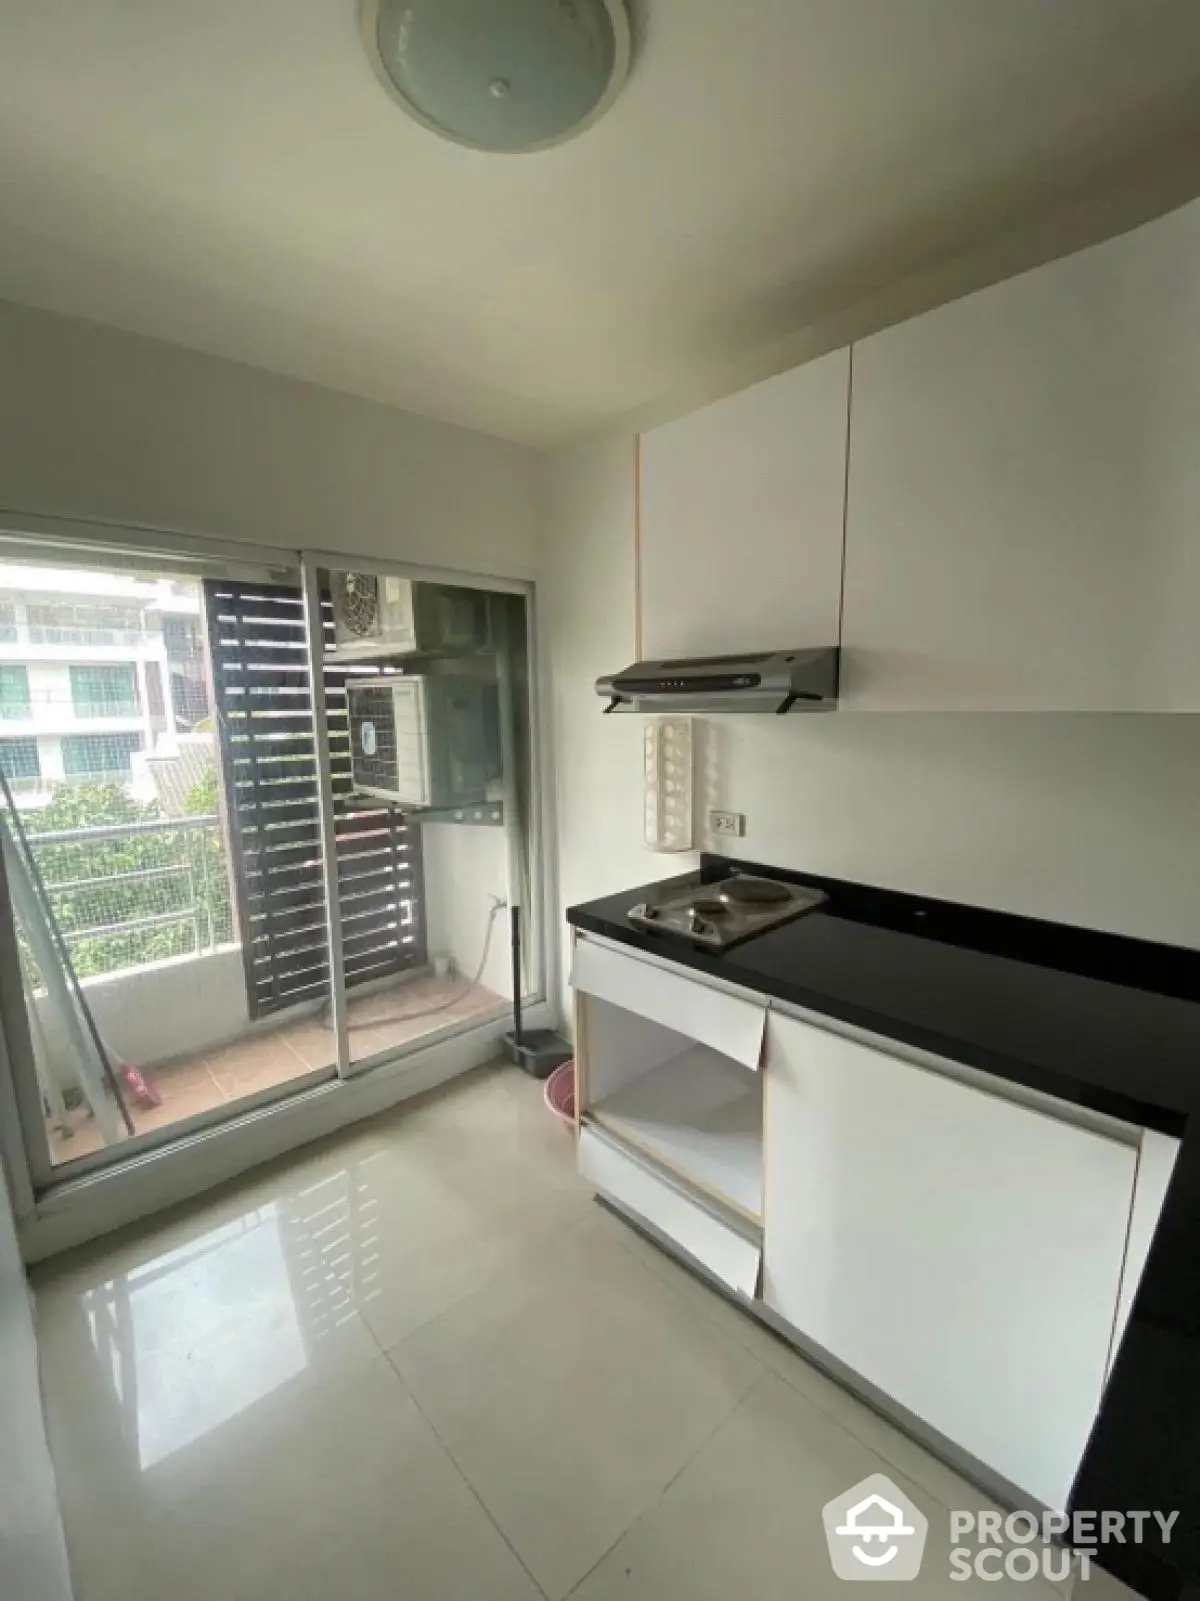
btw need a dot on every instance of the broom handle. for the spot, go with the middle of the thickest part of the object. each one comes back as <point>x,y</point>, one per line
<point>64,955</point>
<point>515,924</point>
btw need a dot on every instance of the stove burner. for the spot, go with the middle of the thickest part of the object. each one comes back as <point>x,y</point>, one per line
<point>754,891</point>
<point>718,915</point>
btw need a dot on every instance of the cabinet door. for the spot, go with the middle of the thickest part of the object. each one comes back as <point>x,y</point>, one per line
<point>959,1251</point>
<point>1024,490</point>
<point>742,518</point>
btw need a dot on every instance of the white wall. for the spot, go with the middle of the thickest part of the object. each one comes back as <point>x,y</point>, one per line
<point>464,867</point>
<point>1084,819</point>
<point>166,1009</point>
<point>100,424</point>
<point>588,628</point>
<point>33,1553</point>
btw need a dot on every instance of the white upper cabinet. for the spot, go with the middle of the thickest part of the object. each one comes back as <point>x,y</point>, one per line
<point>742,518</point>
<point>1023,525</point>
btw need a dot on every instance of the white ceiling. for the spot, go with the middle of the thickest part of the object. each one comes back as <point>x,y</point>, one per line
<point>230,176</point>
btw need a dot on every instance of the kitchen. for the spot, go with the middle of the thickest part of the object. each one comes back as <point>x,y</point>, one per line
<point>955,1002</point>
<point>845,357</point>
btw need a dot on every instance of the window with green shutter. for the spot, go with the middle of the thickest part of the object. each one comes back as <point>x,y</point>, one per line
<point>102,756</point>
<point>19,761</point>
<point>104,691</point>
<point>14,692</point>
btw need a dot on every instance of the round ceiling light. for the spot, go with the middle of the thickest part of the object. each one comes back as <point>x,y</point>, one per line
<point>501,75</point>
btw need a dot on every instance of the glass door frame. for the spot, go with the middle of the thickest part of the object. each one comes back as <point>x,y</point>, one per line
<point>46,540</point>
<point>537,913</point>
<point>53,541</point>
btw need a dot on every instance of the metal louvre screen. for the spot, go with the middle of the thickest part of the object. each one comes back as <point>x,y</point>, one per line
<point>263,696</point>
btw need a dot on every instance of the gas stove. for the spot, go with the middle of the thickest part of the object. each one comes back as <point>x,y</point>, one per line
<point>727,912</point>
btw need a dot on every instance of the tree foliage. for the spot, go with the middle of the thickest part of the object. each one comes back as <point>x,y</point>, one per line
<point>177,875</point>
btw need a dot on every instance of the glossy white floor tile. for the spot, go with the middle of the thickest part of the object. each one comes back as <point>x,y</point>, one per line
<point>571,1394</point>
<point>739,1519</point>
<point>775,1354</point>
<point>315,1490</point>
<point>417,1361</point>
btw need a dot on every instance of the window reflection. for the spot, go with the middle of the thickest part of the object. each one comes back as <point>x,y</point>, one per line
<point>187,1341</point>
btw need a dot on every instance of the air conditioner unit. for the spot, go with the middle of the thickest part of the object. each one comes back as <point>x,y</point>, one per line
<point>379,616</point>
<point>425,741</point>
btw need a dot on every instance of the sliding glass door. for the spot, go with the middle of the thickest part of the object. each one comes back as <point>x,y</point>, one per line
<point>426,697</point>
<point>134,821</point>
<point>262,826</point>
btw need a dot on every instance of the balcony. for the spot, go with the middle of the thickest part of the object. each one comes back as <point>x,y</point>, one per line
<point>185,865</point>
<point>147,913</point>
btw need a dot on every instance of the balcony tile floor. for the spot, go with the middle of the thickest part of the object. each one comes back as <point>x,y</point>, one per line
<point>260,1061</point>
<point>415,1361</point>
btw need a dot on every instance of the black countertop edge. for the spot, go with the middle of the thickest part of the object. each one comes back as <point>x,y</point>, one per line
<point>1063,1086</point>
<point>1097,1019</point>
<point>1000,937</point>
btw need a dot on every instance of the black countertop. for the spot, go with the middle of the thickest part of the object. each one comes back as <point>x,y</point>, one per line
<point>1106,1022</point>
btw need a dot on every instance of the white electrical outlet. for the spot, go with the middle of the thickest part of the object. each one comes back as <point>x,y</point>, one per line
<point>731,825</point>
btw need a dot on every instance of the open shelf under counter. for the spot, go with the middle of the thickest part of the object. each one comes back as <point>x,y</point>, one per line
<point>699,1114</point>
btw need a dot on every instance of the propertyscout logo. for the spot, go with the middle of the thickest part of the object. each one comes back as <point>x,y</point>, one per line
<point>874,1531</point>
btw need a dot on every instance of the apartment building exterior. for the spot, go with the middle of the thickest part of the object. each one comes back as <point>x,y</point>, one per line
<point>96,669</point>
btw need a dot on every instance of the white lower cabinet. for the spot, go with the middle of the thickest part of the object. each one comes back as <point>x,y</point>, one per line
<point>960,1252</point>
<point>670,1100</point>
<point>668,1067</point>
<point>730,1252</point>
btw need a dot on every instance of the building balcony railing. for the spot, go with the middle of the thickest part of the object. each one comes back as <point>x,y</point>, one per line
<point>37,634</point>
<point>128,894</point>
<point>92,775</point>
<point>105,706</point>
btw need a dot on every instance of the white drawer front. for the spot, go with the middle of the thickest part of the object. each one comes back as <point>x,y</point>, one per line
<point>728,1254</point>
<point>730,1024</point>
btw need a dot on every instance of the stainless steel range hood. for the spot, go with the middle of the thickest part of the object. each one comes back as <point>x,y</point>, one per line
<point>767,681</point>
